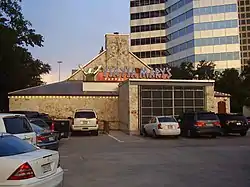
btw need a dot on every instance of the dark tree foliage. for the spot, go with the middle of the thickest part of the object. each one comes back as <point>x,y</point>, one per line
<point>18,69</point>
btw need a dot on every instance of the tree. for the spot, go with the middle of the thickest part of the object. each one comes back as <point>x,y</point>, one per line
<point>185,71</point>
<point>230,82</point>
<point>18,69</point>
<point>205,70</point>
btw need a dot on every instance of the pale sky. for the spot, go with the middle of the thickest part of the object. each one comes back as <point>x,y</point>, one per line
<point>74,29</point>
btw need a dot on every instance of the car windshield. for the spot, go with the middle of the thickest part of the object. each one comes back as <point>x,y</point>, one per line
<point>87,115</point>
<point>166,119</point>
<point>11,145</point>
<point>17,125</point>
<point>36,128</point>
<point>235,117</point>
<point>40,123</point>
<point>206,116</point>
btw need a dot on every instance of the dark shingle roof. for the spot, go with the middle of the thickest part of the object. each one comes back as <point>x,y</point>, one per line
<point>64,88</point>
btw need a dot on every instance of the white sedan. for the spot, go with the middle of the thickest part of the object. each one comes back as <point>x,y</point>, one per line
<point>23,164</point>
<point>162,126</point>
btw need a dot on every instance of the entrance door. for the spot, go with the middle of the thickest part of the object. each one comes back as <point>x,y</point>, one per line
<point>222,107</point>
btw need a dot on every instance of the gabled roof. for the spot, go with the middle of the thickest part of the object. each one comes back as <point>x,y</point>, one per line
<point>64,88</point>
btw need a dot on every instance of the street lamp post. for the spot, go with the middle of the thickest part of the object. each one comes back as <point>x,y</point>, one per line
<point>59,65</point>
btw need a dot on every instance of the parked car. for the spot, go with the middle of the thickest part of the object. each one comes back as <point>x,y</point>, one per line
<point>200,123</point>
<point>45,138</point>
<point>18,125</point>
<point>23,164</point>
<point>234,123</point>
<point>248,120</point>
<point>37,115</point>
<point>162,126</point>
<point>85,120</point>
<point>41,123</point>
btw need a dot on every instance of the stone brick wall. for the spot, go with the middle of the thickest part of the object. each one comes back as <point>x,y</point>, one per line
<point>124,107</point>
<point>106,108</point>
<point>209,98</point>
<point>134,109</point>
<point>224,99</point>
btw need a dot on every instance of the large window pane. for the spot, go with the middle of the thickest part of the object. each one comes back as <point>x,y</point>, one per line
<point>167,103</point>
<point>178,94</point>
<point>157,94</point>
<point>189,102</point>
<point>146,94</point>
<point>167,94</point>
<point>178,111</point>
<point>199,102</point>
<point>146,103</point>
<point>178,102</point>
<point>146,111</point>
<point>145,120</point>
<point>157,111</point>
<point>167,111</point>
<point>157,103</point>
<point>188,94</point>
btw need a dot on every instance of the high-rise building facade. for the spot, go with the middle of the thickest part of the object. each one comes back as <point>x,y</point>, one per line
<point>176,31</point>
<point>244,16</point>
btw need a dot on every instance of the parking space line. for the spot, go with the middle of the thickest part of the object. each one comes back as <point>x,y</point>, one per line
<point>120,141</point>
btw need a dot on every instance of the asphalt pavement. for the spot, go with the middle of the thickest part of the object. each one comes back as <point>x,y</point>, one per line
<point>131,161</point>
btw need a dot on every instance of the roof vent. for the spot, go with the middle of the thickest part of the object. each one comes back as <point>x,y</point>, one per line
<point>116,32</point>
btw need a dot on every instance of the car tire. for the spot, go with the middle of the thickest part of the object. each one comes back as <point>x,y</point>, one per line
<point>144,133</point>
<point>243,133</point>
<point>95,133</point>
<point>154,134</point>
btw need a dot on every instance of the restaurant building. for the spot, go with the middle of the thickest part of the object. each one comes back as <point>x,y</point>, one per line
<point>122,89</point>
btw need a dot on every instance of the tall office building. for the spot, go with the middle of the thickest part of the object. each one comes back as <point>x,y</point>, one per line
<point>176,31</point>
<point>244,16</point>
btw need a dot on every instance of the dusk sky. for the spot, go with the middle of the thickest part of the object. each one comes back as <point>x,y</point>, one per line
<point>74,29</point>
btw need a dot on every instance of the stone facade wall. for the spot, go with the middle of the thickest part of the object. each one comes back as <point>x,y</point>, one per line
<point>134,109</point>
<point>209,98</point>
<point>224,99</point>
<point>124,107</point>
<point>105,107</point>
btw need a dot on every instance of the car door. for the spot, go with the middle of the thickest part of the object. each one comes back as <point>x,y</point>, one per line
<point>20,127</point>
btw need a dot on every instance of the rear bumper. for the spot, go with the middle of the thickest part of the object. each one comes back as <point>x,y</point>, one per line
<point>55,180</point>
<point>207,131</point>
<point>236,129</point>
<point>168,132</point>
<point>51,146</point>
<point>83,128</point>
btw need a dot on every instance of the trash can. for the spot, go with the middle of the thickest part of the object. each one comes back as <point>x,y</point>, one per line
<point>63,127</point>
<point>106,126</point>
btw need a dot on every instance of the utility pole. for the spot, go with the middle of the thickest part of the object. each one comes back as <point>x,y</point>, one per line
<point>59,66</point>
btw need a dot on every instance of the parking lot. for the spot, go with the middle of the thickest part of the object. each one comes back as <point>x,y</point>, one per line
<point>122,160</point>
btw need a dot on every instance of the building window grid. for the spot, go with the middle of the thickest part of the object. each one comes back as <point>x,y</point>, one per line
<point>172,99</point>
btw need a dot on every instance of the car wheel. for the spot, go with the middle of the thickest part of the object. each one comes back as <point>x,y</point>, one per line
<point>144,133</point>
<point>243,133</point>
<point>96,133</point>
<point>154,134</point>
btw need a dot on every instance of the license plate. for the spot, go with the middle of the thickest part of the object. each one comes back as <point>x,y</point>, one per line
<point>209,125</point>
<point>84,128</point>
<point>46,168</point>
<point>51,138</point>
<point>84,122</point>
<point>170,126</point>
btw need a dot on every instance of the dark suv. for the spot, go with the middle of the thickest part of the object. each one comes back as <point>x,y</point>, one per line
<point>234,123</point>
<point>200,123</point>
